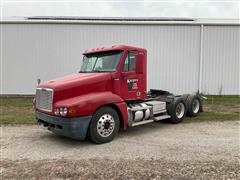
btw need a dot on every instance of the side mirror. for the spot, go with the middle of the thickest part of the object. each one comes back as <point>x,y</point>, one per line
<point>139,64</point>
<point>38,81</point>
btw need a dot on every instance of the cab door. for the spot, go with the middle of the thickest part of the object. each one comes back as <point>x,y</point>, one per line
<point>130,78</point>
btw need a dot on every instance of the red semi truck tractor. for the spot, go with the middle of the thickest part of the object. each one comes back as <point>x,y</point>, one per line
<point>108,93</point>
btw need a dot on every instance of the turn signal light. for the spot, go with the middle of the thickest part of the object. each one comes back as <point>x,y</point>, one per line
<point>72,110</point>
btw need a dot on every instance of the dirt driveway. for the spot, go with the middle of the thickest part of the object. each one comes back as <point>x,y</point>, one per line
<point>160,150</point>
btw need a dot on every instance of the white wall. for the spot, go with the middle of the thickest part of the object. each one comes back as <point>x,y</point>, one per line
<point>46,51</point>
<point>221,60</point>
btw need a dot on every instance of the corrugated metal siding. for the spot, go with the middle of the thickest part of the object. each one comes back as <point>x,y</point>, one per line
<point>46,51</point>
<point>221,60</point>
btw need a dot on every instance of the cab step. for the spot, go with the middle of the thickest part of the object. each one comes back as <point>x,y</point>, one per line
<point>142,122</point>
<point>162,117</point>
<point>158,118</point>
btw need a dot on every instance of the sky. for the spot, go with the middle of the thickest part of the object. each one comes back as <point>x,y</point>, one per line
<point>123,8</point>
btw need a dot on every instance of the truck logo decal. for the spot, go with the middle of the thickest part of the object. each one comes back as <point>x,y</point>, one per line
<point>132,84</point>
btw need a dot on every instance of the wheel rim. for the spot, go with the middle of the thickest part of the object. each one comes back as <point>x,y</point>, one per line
<point>195,106</point>
<point>105,125</point>
<point>180,109</point>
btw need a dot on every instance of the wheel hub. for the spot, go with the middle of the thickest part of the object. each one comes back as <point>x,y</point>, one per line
<point>105,125</point>
<point>196,105</point>
<point>180,109</point>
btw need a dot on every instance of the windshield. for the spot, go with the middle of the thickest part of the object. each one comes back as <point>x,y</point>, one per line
<point>101,62</point>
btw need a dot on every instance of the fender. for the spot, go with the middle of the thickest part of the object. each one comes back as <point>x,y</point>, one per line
<point>86,105</point>
<point>122,108</point>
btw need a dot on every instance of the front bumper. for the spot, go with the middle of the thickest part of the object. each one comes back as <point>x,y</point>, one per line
<point>75,127</point>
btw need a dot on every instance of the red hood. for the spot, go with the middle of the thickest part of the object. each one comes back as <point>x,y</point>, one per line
<point>77,84</point>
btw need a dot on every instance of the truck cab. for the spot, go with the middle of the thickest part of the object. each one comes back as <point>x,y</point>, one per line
<point>108,93</point>
<point>127,66</point>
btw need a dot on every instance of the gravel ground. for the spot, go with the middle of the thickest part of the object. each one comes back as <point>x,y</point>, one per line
<point>160,150</point>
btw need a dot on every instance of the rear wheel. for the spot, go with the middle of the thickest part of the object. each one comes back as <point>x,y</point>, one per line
<point>194,105</point>
<point>177,110</point>
<point>104,125</point>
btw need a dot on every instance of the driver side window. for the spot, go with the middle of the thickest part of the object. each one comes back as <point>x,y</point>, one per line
<point>130,62</point>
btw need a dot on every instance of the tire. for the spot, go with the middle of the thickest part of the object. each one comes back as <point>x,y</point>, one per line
<point>194,105</point>
<point>177,110</point>
<point>104,125</point>
<point>185,97</point>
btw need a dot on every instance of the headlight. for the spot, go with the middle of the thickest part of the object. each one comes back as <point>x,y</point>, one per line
<point>63,111</point>
<point>56,111</point>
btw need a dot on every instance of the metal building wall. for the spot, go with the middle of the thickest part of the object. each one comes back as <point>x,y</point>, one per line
<point>46,51</point>
<point>221,60</point>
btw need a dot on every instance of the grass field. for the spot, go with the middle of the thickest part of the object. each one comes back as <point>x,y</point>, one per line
<point>224,100</point>
<point>219,108</point>
<point>16,110</point>
<point>19,110</point>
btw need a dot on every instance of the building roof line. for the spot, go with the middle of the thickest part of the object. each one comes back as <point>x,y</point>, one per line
<point>109,18</point>
<point>113,20</point>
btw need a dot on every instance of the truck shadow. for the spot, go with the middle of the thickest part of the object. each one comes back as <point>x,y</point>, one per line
<point>144,129</point>
<point>131,132</point>
<point>61,140</point>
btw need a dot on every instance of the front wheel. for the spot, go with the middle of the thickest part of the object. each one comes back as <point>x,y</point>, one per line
<point>104,125</point>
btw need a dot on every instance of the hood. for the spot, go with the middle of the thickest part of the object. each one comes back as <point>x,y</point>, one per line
<point>78,84</point>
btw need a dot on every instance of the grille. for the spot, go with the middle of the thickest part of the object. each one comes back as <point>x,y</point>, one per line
<point>44,98</point>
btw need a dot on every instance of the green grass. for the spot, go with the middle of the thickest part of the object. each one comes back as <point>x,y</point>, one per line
<point>16,110</point>
<point>222,100</point>
<point>19,110</point>
<point>226,108</point>
<point>212,116</point>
